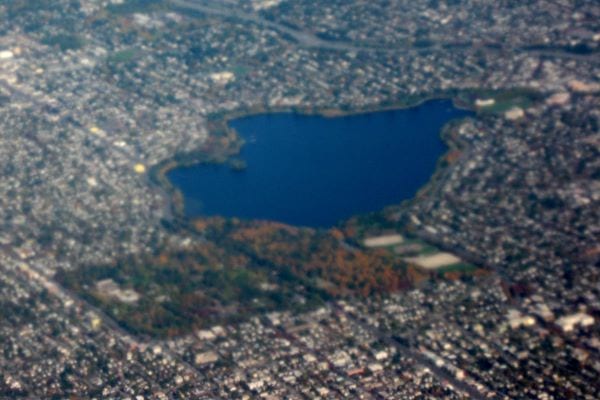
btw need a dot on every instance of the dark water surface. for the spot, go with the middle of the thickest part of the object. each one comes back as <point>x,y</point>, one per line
<point>316,171</point>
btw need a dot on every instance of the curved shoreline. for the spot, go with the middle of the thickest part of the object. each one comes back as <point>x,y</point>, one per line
<point>176,204</point>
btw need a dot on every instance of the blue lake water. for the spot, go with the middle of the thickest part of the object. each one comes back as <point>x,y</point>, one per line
<point>316,171</point>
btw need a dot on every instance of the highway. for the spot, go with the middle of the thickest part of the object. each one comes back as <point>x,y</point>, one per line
<point>309,40</point>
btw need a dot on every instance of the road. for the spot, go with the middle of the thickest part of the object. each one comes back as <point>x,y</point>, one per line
<point>440,373</point>
<point>310,40</point>
<point>30,271</point>
<point>303,38</point>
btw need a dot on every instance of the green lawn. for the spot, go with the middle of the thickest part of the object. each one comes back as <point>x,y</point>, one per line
<point>123,56</point>
<point>505,99</point>
<point>460,267</point>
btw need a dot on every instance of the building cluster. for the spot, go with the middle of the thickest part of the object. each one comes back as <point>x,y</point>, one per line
<point>94,93</point>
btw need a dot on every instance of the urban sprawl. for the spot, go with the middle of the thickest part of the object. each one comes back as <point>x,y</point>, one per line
<point>96,93</point>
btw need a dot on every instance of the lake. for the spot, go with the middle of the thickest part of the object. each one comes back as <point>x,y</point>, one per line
<point>316,171</point>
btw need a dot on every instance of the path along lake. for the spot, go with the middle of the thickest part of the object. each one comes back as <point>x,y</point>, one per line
<point>316,171</point>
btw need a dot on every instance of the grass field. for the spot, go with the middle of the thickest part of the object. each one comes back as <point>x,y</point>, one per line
<point>504,100</point>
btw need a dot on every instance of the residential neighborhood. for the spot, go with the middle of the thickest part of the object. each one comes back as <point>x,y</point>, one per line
<point>96,96</point>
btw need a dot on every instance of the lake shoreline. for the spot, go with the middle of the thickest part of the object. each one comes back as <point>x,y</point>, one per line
<point>220,126</point>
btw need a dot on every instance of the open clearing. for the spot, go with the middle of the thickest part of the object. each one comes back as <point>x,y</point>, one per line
<point>435,261</point>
